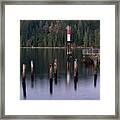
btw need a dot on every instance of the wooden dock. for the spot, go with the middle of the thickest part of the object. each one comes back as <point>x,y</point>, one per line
<point>90,51</point>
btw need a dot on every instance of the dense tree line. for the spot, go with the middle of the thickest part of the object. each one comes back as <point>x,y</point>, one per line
<point>45,33</point>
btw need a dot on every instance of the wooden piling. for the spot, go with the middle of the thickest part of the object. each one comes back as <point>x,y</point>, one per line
<point>24,80</point>
<point>32,75</point>
<point>75,74</point>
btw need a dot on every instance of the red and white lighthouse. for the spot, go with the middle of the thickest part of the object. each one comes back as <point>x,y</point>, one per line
<point>68,28</point>
<point>68,33</point>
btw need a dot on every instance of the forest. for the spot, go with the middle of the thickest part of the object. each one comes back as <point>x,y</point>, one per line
<point>52,33</point>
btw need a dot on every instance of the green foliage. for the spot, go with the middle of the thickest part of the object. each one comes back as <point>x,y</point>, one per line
<point>97,37</point>
<point>46,33</point>
<point>85,40</point>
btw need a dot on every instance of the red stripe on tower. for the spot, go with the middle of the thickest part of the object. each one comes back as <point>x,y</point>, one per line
<point>68,29</point>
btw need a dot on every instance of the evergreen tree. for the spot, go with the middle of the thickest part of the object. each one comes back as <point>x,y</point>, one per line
<point>45,33</point>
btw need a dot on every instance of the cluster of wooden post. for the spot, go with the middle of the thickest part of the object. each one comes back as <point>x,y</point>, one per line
<point>51,67</point>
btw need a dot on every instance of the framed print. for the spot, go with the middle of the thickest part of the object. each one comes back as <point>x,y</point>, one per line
<point>59,59</point>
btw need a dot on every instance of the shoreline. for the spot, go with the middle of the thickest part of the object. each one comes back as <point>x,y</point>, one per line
<point>57,47</point>
<point>44,47</point>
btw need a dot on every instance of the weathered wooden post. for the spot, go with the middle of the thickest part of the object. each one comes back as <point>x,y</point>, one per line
<point>75,74</point>
<point>55,71</point>
<point>51,79</point>
<point>32,75</point>
<point>24,80</point>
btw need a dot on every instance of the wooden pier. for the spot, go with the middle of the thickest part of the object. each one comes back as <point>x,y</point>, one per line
<point>90,51</point>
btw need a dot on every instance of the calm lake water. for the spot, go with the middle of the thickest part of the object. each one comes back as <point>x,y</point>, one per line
<point>65,88</point>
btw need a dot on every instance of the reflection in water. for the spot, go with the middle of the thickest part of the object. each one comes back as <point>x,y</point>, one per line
<point>69,59</point>
<point>75,82</point>
<point>95,79</point>
<point>46,67</point>
<point>95,71</point>
<point>68,72</point>
<point>51,86</point>
<point>32,80</point>
<point>51,79</point>
<point>24,88</point>
<point>69,49</point>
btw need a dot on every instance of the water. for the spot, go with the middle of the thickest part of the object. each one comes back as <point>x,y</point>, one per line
<point>66,88</point>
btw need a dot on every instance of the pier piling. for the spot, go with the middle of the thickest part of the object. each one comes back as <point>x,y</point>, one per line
<point>55,71</point>
<point>24,80</point>
<point>75,74</point>
<point>32,75</point>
